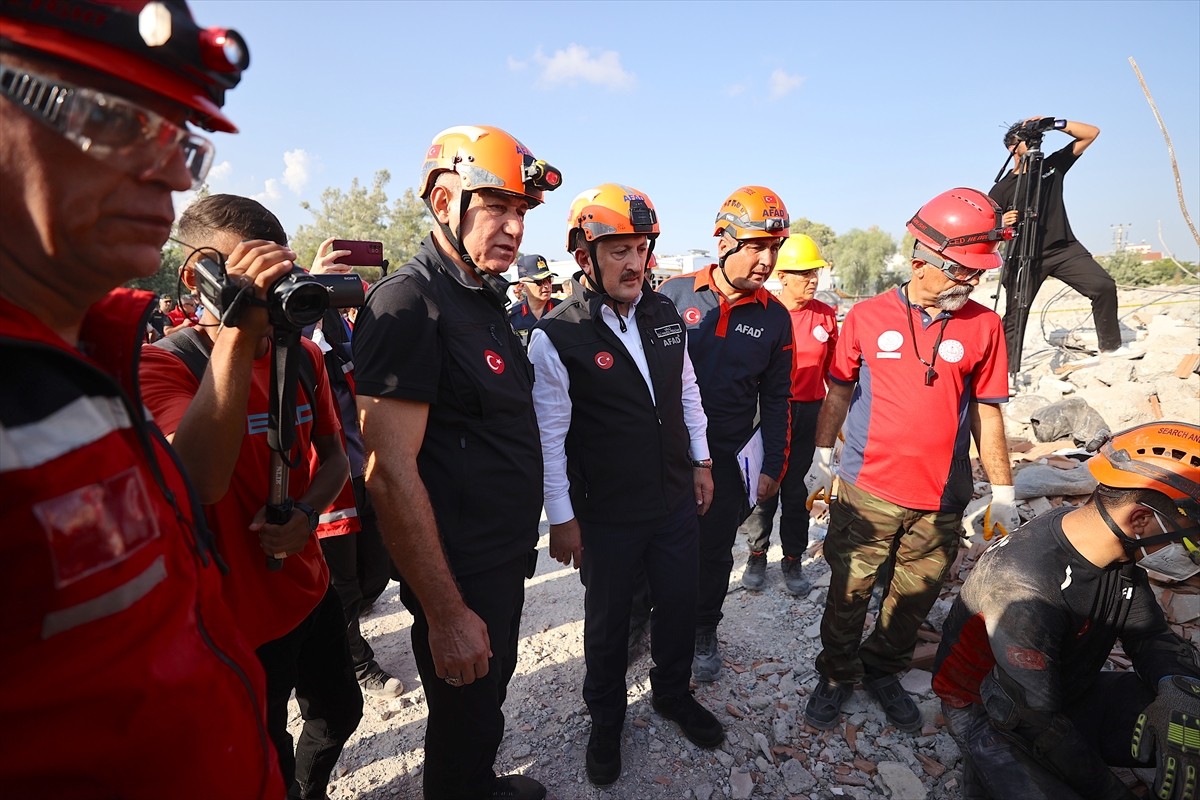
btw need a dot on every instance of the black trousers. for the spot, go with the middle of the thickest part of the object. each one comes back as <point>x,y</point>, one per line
<point>793,523</point>
<point>466,723</point>
<point>356,562</point>
<point>1073,265</point>
<point>615,555</point>
<point>996,768</point>
<point>314,660</point>
<point>717,531</point>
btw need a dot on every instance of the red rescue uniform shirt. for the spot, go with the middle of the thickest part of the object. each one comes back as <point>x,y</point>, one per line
<point>815,333</point>
<point>266,604</point>
<point>906,442</point>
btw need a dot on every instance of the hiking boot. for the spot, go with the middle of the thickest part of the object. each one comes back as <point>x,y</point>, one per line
<point>897,704</point>
<point>697,722</point>
<point>755,576</point>
<point>793,577</point>
<point>706,663</point>
<point>604,754</point>
<point>824,708</point>
<point>517,787</point>
<point>376,683</point>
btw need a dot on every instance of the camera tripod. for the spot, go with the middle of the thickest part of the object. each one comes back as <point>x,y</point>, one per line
<point>1021,255</point>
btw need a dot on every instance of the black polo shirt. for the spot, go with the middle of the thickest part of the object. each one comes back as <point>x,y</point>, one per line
<point>1054,227</point>
<point>429,334</point>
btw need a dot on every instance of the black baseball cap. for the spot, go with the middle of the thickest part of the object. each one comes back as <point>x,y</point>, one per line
<point>533,268</point>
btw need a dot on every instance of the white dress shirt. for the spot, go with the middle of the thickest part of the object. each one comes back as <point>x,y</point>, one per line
<point>552,402</point>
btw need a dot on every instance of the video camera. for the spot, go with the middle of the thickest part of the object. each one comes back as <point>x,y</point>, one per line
<point>1031,131</point>
<point>294,302</point>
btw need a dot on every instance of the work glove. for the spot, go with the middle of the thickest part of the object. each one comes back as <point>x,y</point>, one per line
<point>1170,728</point>
<point>819,478</point>
<point>1001,516</point>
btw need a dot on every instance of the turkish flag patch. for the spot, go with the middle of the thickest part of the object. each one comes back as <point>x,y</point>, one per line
<point>691,316</point>
<point>604,359</point>
<point>1026,658</point>
<point>494,362</point>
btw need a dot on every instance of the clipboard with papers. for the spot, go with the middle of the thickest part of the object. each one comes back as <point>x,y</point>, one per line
<point>750,461</point>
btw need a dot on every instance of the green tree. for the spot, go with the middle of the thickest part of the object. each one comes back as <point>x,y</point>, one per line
<point>363,213</point>
<point>1128,269</point>
<point>860,258</point>
<point>820,233</point>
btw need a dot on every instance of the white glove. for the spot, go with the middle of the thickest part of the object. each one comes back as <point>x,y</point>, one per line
<point>1001,515</point>
<point>819,478</point>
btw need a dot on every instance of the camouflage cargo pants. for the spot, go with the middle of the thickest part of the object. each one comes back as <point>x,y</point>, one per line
<point>866,534</point>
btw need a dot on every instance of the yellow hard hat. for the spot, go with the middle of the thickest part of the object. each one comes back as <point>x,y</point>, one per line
<point>799,254</point>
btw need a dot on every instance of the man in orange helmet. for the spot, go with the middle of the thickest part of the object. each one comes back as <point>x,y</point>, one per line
<point>454,460</point>
<point>122,673</point>
<point>627,466</point>
<point>1021,666</point>
<point>740,340</point>
<point>917,371</point>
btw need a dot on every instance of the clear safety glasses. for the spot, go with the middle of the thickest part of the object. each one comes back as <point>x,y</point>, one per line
<point>110,129</point>
<point>951,269</point>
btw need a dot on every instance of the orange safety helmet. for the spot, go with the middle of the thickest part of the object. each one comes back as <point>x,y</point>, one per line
<point>962,225</point>
<point>487,158</point>
<point>156,45</point>
<point>1163,456</point>
<point>611,209</point>
<point>753,212</point>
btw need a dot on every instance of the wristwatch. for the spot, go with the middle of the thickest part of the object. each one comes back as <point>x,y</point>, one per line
<point>704,463</point>
<point>310,512</point>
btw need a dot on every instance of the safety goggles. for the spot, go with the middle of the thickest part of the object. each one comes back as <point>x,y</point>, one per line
<point>804,274</point>
<point>108,128</point>
<point>951,269</point>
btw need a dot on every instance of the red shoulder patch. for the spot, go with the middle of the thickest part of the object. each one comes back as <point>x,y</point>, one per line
<point>1026,658</point>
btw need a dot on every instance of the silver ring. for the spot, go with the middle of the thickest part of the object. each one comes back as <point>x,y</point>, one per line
<point>453,681</point>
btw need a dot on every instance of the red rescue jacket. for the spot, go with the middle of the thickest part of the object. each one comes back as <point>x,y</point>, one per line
<point>122,673</point>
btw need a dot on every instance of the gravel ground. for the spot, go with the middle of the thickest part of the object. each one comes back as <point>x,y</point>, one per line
<point>769,640</point>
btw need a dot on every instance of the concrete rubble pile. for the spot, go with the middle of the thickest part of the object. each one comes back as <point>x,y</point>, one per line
<point>770,639</point>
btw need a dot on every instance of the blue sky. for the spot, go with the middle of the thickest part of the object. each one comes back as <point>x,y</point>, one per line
<point>854,113</point>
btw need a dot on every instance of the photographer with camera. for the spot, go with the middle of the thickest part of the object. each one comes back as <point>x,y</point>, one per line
<point>219,424</point>
<point>122,672</point>
<point>454,462</point>
<point>1057,253</point>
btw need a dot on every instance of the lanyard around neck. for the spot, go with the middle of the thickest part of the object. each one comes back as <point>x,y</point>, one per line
<point>930,372</point>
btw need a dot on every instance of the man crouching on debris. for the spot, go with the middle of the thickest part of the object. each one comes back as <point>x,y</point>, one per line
<point>1019,666</point>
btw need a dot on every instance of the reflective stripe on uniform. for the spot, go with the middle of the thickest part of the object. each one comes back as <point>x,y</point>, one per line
<point>107,604</point>
<point>75,425</point>
<point>334,516</point>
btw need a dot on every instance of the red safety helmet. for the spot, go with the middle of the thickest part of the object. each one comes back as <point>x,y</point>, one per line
<point>154,44</point>
<point>962,225</point>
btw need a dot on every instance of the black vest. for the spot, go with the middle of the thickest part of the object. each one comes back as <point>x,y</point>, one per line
<point>627,458</point>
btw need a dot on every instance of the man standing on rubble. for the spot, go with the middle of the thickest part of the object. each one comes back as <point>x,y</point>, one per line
<point>916,372</point>
<point>1020,666</point>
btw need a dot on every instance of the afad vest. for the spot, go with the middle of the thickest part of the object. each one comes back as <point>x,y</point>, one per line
<point>627,458</point>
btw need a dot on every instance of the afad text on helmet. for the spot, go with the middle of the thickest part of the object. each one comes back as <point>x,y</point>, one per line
<point>777,213</point>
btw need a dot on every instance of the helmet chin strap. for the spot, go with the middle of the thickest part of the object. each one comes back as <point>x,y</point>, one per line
<point>721,259</point>
<point>1129,543</point>
<point>597,281</point>
<point>464,202</point>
